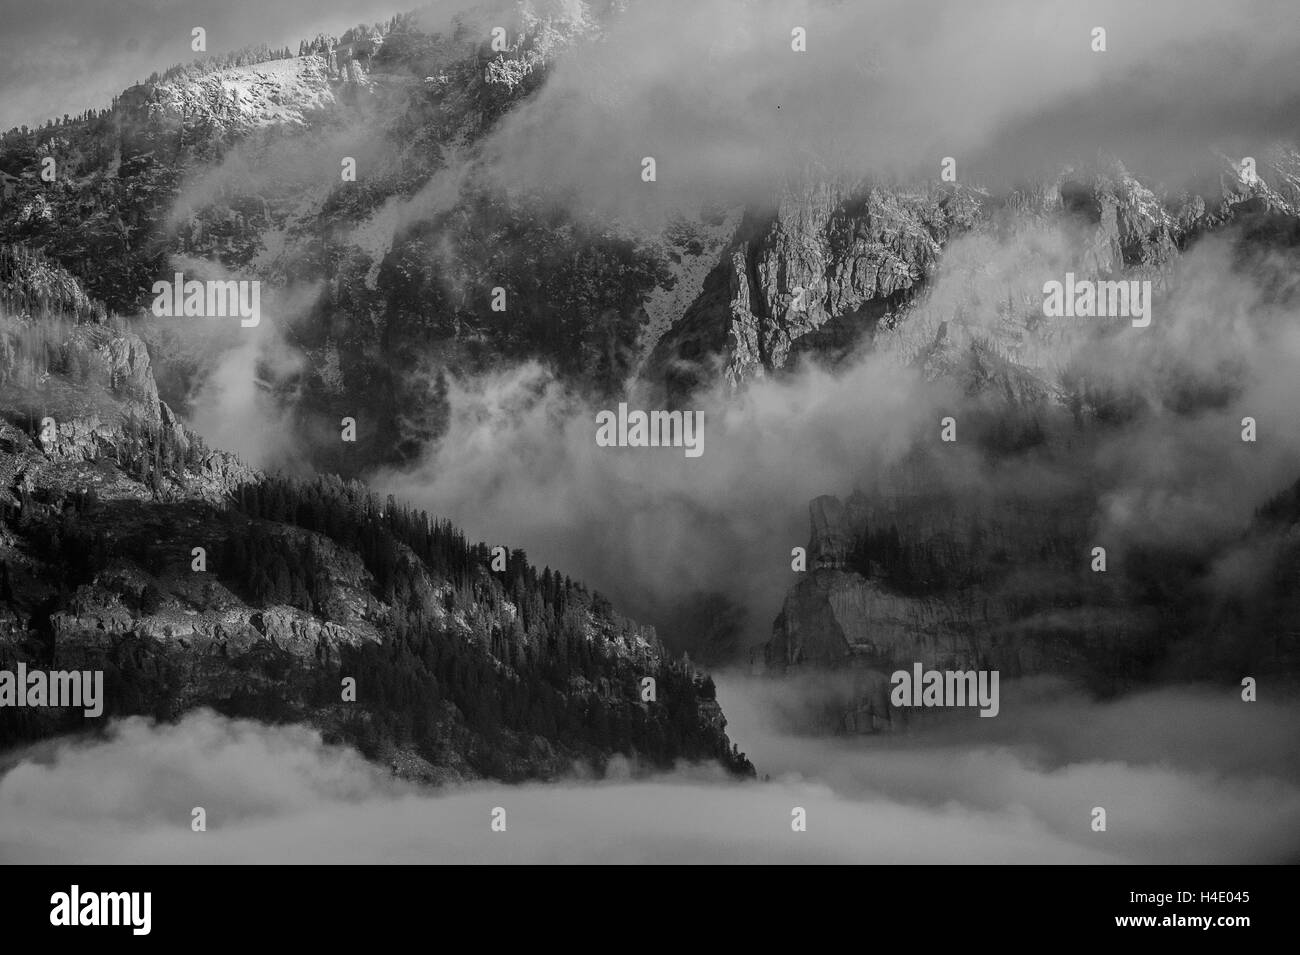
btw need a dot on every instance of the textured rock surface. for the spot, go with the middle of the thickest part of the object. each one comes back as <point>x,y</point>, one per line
<point>835,268</point>
<point>825,254</point>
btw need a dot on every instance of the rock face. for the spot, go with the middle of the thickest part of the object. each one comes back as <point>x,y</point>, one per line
<point>922,571</point>
<point>918,577</point>
<point>825,255</point>
<point>834,268</point>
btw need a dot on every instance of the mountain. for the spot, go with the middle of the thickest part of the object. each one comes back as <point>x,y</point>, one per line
<point>383,286</point>
<point>384,282</point>
<point>237,172</point>
<point>466,663</point>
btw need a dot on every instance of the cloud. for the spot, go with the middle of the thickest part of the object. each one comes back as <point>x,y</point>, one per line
<point>713,91</point>
<point>1205,780</point>
<point>885,89</point>
<point>218,372</point>
<point>519,464</point>
<point>1183,772</point>
<point>1175,473</point>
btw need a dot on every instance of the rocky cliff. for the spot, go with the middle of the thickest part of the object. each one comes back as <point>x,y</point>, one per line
<point>838,267</point>
<point>1009,586</point>
<point>829,263</point>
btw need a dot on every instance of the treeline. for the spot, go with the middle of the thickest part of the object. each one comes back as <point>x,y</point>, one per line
<point>68,119</point>
<point>200,66</point>
<point>247,56</point>
<point>484,660</point>
<point>352,516</point>
<point>357,37</point>
<point>403,549</point>
<point>413,676</point>
<point>558,631</point>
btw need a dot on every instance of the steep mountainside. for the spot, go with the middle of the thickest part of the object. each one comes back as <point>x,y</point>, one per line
<point>383,275</point>
<point>466,663</point>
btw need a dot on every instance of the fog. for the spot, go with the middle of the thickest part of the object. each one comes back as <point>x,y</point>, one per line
<point>884,91</point>
<point>519,464</point>
<point>714,92</point>
<point>1185,775</point>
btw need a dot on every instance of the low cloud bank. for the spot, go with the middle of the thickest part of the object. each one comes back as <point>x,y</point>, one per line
<point>1185,775</point>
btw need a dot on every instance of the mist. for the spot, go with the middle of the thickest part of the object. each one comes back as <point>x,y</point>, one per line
<point>1186,775</point>
<point>649,527</point>
<point>715,93</point>
<point>519,465</point>
<point>733,116</point>
<point>884,91</point>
